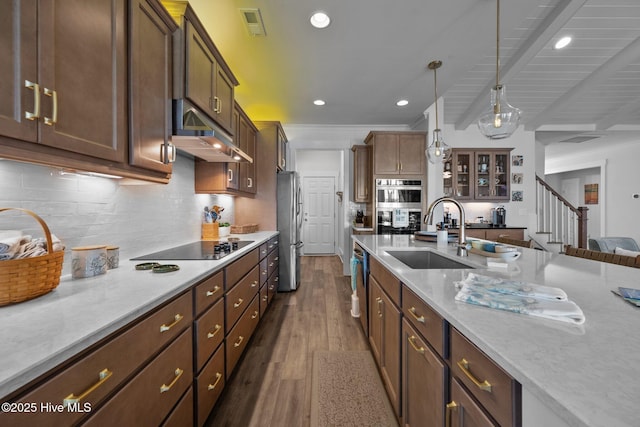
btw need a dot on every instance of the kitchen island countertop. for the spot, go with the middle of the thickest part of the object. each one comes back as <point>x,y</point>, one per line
<point>39,334</point>
<point>586,375</point>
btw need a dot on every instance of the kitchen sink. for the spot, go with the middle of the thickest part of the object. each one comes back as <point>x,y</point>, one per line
<point>426,260</point>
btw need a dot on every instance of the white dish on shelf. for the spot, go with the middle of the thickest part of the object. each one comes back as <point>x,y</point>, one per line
<point>507,256</point>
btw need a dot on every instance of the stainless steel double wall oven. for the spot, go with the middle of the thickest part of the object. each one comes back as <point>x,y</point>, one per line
<point>398,206</point>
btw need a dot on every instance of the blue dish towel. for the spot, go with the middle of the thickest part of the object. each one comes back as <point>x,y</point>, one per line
<point>354,272</point>
<point>519,297</point>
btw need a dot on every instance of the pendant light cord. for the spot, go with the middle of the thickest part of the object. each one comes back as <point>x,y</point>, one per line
<point>435,92</point>
<point>498,45</point>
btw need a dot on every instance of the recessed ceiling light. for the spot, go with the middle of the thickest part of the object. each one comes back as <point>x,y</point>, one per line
<point>402,103</point>
<point>320,19</point>
<point>319,102</point>
<point>562,43</point>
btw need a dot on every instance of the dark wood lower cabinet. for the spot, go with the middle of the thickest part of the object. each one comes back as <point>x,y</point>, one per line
<point>425,381</point>
<point>209,385</point>
<point>150,396</point>
<point>168,367</point>
<point>433,375</point>
<point>384,337</point>
<point>463,411</point>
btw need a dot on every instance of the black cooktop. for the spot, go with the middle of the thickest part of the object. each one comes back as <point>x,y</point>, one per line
<point>204,249</point>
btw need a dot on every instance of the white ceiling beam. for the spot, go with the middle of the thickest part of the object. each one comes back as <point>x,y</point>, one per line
<point>549,27</point>
<point>613,117</point>
<point>620,60</point>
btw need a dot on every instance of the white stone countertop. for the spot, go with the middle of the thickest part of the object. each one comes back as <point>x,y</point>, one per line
<point>588,375</point>
<point>39,334</point>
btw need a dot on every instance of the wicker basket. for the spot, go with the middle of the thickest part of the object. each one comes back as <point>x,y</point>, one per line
<point>244,229</point>
<point>27,278</point>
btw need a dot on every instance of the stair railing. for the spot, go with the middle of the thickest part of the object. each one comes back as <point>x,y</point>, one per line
<point>564,223</point>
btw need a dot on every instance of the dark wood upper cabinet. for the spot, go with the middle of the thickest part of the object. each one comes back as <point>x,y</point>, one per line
<point>81,73</point>
<point>19,70</point>
<point>208,82</point>
<point>150,67</point>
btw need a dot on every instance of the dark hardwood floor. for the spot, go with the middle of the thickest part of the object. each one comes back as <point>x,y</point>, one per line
<point>271,385</point>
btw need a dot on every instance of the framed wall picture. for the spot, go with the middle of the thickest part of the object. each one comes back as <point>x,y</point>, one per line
<point>591,194</point>
<point>517,196</point>
<point>516,178</point>
<point>517,160</point>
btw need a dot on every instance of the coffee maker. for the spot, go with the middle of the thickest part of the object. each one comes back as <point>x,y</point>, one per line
<point>499,217</point>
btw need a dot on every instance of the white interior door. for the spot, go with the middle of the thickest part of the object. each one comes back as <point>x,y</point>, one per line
<point>319,222</point>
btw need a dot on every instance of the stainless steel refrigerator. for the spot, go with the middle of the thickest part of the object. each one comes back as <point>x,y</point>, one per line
<point>290,227</point>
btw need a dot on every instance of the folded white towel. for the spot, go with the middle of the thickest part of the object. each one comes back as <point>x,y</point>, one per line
<point>27,247</point>
<point>519,297</point>
<point>506,286</point>
<point>10,242</point>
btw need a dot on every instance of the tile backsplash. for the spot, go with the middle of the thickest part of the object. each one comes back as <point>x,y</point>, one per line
<point>80,210</point>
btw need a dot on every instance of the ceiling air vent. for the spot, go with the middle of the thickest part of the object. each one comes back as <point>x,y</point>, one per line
<point>252,19</point>
<point>582,138</point>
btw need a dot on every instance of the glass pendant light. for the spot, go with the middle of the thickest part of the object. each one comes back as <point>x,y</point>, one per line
<point>438,151</point>
<point>501,119</point>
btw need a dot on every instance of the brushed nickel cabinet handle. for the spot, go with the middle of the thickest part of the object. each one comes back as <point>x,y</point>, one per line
<point>103,376</point>
<point>230,175</point>
<point>254,284</point>
<point>451,406</point>
<point>215,331</point>
<point>218,378</point>
<point>54,113</point>
<point>178,373</point>
<point>420,319</point>
<point>177,318</point>
<point>249,182</point>
<point>211,293</point>
<point>240,339</point>
<point>264,298</point>
<point>35,87</point>
<point>464,366</point>
<point>254,315</point>
<point>239,303</point>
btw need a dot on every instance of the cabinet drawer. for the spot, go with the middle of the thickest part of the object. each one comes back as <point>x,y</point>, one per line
<point>462,410</point>
<point>237,269</point>
<point>209,385</point>
<point>264,299</point>
<point>273,243</point>
<point>209,333</point>
<point>272,262</point>
<point>149,397</point>
<point>182,415</point>
<point>239,297</point>
<point>272,285</point>
<point>208,292</point>
<point>264,250</point>
<point>496,391</point>
<point>425,320</point>
<point>388,282</point>
<point>264,271</point>
<point>108,366</point>
<point>237,339</point>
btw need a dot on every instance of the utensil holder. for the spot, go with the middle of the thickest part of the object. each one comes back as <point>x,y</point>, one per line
<point>210,231</point>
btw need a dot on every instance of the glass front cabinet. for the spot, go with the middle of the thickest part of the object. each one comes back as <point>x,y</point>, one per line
<point>481,175</point>
<point>458,175</point>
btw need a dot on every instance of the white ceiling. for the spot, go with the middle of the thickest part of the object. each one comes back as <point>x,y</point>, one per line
<point>375,52</point>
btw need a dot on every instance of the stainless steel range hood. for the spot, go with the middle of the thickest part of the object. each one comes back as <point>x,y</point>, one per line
<point>196,134</point>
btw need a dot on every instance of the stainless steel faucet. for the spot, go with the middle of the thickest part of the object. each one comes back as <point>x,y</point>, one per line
<point>428,219</point>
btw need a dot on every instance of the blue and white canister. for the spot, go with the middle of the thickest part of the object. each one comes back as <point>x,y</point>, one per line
<point>88,261</point>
